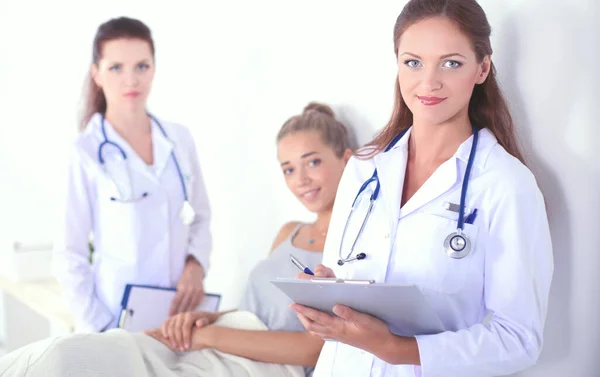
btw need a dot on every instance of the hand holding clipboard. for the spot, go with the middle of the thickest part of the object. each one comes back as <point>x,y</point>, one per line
<point>358,312</point>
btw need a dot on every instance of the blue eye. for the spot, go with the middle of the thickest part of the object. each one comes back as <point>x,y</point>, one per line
<point>288,171</point>
<point>315,162</point>
<point>412,63</point>
<point>143,67</point>
<point>115,68</point>
<point>452,64</point>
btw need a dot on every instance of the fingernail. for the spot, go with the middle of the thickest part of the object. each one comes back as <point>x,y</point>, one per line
<point>187,346</point>
<point>181,349</point>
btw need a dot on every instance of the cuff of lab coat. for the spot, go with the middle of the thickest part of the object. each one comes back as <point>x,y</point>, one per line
<point>428,349</point>
<point>200,258</point>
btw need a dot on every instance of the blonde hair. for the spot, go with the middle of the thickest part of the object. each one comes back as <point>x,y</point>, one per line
<point>320,118</point>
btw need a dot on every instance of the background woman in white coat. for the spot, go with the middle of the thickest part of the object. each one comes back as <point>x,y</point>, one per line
<point>134,185</point>
<point>312,149</point>
<point>449,103</point>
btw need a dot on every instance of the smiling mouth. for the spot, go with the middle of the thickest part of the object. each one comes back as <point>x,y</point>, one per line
<point>430,101</point>
<point>310,195</point>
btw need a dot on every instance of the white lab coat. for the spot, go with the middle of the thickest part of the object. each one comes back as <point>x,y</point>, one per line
<point>507,273</point>
<point>144,242</point>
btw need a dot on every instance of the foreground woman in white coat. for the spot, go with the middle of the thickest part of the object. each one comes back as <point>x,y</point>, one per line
<point>450,140</point>
<point>134,185</point>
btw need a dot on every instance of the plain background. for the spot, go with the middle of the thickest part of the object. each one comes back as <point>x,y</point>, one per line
<point>234,71</point>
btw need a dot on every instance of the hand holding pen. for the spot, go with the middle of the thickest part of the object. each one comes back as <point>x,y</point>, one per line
<point>306,273</point>
<point>301,266</point>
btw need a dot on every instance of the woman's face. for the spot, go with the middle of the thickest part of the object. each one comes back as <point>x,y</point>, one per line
<point>311,169</point>
<point>125,73</point>
<point>438,70</point>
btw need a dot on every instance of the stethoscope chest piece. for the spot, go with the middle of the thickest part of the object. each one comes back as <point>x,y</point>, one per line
<point>457,245</point>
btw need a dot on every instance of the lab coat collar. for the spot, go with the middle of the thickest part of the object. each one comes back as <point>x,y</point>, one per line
<point>391,167</point>
<point>484,145</point>
<point>161,149</point>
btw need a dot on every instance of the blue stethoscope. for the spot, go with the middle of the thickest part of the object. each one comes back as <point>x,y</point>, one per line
<point>187,213</point>
<point>457,244</point>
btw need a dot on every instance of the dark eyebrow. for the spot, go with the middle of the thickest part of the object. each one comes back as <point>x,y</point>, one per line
<point>308,154</point>
<point>144,61</point>
<point>303,156</point>
<point>441,57</point>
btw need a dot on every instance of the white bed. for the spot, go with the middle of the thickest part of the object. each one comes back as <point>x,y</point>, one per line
<point>118,353</point>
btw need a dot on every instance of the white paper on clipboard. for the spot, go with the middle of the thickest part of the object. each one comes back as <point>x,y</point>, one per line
<point>147,307</point>
<point>402,307</point>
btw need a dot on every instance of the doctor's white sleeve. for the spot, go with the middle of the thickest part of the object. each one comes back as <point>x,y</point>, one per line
<point>518,272</point>
<point>200,237</point>
<point>71,262</point>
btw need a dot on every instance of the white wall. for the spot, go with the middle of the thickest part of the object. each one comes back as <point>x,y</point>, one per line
<point>233,71</point>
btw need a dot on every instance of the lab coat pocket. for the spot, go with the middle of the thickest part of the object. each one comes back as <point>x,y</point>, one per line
<point>423,258</point>
<point>118,225</point>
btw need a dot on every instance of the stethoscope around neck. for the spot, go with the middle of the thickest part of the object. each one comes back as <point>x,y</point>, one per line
<point>457,245</point>
<point>187,213</point>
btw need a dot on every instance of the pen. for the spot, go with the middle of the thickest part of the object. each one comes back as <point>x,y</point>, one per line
<point>300,266</point>
<point>471,218</point>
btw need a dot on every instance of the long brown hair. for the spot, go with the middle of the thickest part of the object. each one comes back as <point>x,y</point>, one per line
<point>487,107</point>
<point>116,28</point>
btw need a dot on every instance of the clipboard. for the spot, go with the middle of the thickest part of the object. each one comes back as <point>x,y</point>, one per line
<point>146,307</point>
<point>403,307</point>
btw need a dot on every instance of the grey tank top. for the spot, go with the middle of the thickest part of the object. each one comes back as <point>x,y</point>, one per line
<point>267,301</point>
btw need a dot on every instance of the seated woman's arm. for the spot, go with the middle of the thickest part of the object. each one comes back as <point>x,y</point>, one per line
<point>278,347</point>
<point>195,331</point>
